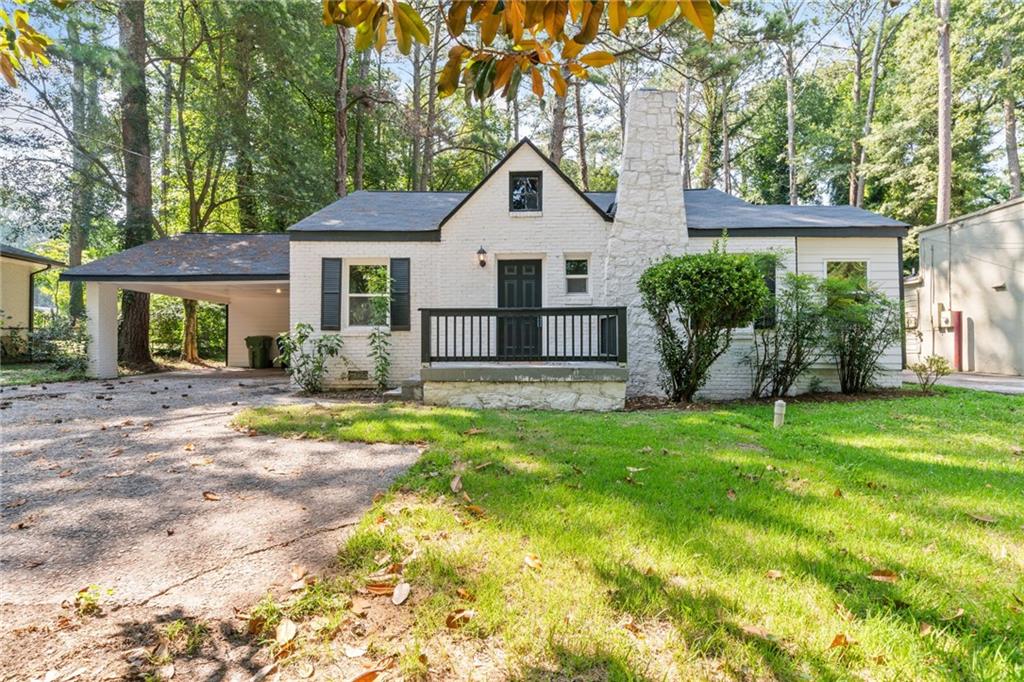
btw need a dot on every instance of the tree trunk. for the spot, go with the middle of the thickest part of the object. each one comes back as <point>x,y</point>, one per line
<point>190,339</point>
<point>685,151</point>
<point>945,169</point>
<point>1010,128</point>
<point>858,78</point>
<point>80,182</point>
<point>416,125</point>
<point>869,114</point>
<point>363,110</point>
<point>428,142</point>
<point>557,147</point>
<point>726,167</point>
<point>515,116</point>
<point>340,113</point>
<point>791,125</point>
<point>581,137</point>
<point>133,334</point>
<point>245,177</point>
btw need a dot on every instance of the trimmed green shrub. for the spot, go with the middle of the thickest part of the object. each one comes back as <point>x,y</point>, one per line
<point>860,324</point>
<point>697,302</point>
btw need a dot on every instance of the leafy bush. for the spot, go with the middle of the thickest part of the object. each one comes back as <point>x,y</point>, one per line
<point>61,342</point>
<point>696,302</point>
<point>930,370</point>
<point>306,356</point>
<point>860,324</point>
<point>783,352</point>
<point>380,333</point>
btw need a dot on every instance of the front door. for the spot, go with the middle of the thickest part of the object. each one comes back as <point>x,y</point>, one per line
<point>519,287</point>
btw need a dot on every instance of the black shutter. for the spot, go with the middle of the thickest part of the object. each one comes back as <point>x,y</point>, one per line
<point>767,317</point>
<point>330,294</point>
<point>401,319</point>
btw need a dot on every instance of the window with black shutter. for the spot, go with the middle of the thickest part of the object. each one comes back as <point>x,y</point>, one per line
<point>401,319</point>
<point>330,294</point>
<point>767,318</point>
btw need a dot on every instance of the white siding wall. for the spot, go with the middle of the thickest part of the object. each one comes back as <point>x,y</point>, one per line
<point>255,317</point>
<point>446,273</point>
<point>14,290</point>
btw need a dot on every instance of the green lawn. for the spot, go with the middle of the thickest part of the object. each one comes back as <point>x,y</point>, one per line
<point>34,373</point>
<point>690,544</point>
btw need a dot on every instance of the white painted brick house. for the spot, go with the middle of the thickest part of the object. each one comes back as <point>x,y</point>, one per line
<point>522,291</point>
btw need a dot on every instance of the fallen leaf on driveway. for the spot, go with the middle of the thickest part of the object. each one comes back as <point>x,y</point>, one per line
<point>883,575</point>
<point>298,571</point>
<point>118,474</point>
<point>401,593</point>
<point>66,473</point>
<point>456,484</point>
<point>773,574</point>
<point>459,617</point>
<point>15,503</point>
<point>286,631</point>
<point>211,496</point>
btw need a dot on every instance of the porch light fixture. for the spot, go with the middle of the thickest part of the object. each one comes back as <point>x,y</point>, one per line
<point>481,257</point>
<point>277,291</point>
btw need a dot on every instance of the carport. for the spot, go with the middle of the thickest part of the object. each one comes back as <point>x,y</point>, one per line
<point>246,272</point>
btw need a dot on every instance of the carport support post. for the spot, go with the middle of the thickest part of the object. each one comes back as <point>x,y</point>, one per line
<point>101,325</point>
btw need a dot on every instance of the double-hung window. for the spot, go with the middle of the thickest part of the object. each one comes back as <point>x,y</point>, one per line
<point>360,296</point>
<point>576,275</point>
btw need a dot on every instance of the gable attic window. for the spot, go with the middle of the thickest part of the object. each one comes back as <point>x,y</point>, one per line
<point>524,192</point>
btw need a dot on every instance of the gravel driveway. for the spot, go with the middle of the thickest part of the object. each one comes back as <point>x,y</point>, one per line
<point>140,486</point>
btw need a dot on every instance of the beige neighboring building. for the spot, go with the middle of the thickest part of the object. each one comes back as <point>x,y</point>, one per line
<point>967,302</point>
<point>17,268</point>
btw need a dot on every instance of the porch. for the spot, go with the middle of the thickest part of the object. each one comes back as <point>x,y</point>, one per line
<point>570,358</point>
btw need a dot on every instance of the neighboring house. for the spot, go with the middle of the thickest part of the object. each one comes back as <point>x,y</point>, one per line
<point>18,269</point>
<point>967,301</point>
<point>520,292</point>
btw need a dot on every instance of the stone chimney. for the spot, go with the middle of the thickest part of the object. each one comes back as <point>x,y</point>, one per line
<point>650,222</point>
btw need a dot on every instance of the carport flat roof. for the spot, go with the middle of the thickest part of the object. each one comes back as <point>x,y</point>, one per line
<point>192,257</point>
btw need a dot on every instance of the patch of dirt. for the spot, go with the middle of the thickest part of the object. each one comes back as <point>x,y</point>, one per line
<point>657,403</point>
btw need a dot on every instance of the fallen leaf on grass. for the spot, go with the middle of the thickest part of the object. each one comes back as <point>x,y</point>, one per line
<point>837,493</point>
<point>844,613</point>
<point>465,594</point>
<point>773,574</point>
<point>634,628</point>
<point>731,494</point>
<point>459,617</point>
<point>306,670</point>
<point>840,641</point>
<point>401,593</point>
<point>475,510</point>
<point>211,496</point>
<point>925,629</point>
<point>883,575</point>
<point>983,519</point>
<point>354,651</point>
<point>472,432</point>
<point>635,470</point>
<point>285,632</point>
<point>456,484</point>
<point>956,614</point>
<point>879,659</point>
<point>756,631</point>
<point>368,676</point>
<point>483,465</point>
<point>532,561</point>
<point>383,589</point>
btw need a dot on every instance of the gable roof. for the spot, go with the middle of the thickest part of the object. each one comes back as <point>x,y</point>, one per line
<point>8,251</point>
<point>191,256</point>
<point>551,164</point>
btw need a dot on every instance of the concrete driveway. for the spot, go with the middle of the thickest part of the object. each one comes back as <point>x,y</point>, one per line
<point>141,487</point>
<point>996,383</point>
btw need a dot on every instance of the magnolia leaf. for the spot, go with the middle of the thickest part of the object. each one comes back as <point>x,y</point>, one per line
<point>384,589</point>
<point>458,618</point>
<point>401,593</point>
<point>617,15</point>
<point>598,59</point>
<point>456,484</point>
<point>285,632</point>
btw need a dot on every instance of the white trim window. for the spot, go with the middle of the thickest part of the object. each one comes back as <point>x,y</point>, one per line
<point>577,275</point>
<point>358,299</point>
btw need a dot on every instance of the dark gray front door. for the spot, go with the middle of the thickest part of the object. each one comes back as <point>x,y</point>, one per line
<point>519,283</point>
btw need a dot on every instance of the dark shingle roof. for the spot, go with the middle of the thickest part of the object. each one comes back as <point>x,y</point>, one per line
<point>22,254</point>
<point>711,209</point>
<point>194,256</point>
<point>366,211</point>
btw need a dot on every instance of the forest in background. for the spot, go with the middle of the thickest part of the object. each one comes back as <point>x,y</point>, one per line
<point>258,115</point>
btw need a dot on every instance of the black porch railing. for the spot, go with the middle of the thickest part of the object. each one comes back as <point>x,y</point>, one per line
<point>580,334</point>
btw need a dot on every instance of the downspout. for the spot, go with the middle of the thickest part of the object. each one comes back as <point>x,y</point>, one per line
<point>32,295</point>
<point>903,304</point>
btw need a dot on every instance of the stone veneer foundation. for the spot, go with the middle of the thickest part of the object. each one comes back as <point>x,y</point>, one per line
<point>539,387</point>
